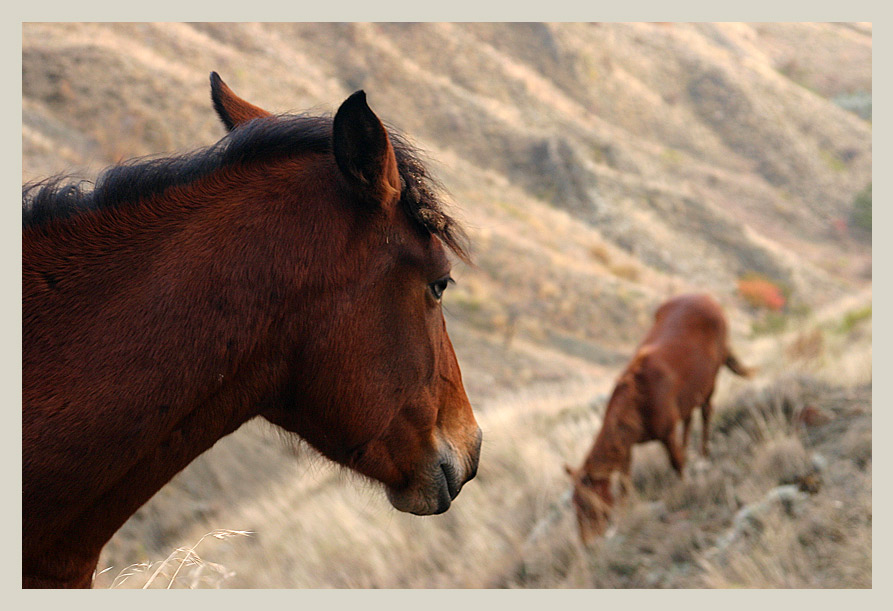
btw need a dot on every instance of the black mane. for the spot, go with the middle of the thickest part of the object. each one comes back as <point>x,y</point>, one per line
<point>62,197</point>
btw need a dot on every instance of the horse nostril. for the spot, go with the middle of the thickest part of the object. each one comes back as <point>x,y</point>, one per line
<point>449,476</point>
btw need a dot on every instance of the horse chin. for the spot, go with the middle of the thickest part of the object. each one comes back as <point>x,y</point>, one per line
<point>431,493</point>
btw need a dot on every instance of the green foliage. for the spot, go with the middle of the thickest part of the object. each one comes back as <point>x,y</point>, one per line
<point>833,161</point>
<point>770,323</point>
<point>671,156</point>
<point>861,215</point>
<point>853,318</point>
<point>465,302</point>
<point>513,210</point>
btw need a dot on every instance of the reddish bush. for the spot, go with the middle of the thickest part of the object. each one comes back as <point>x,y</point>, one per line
<point>761,293</point>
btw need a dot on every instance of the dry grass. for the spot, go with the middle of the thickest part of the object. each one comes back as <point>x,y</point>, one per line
<point>819,543</point>
<point>183,568</point>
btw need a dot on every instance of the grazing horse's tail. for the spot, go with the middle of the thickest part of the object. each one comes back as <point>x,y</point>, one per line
<point>737,368</point>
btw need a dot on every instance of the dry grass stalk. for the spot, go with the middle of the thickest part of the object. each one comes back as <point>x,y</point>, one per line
<point>177,560</point>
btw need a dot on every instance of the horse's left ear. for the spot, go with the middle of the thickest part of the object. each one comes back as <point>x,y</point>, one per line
<point>364,153</point>
<point>232,109</point>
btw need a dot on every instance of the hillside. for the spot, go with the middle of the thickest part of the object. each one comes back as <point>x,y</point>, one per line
<point>600,168</point>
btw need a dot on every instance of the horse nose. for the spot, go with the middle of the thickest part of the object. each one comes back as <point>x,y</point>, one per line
<point>454,476</point>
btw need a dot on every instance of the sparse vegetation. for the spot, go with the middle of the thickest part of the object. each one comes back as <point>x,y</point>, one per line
<point>626,271</point>
<point>861,216</point>
<point>770,323</point>
<point>807,346</point>
<point>600,254</point>
<point>671,157</point>
<point>833,161</point>
<point>853,318</point>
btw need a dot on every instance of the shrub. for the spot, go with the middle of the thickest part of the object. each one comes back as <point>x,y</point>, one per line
<point>806,346</point>
<point>853,318</point>
<point>771,323</point>
<point>761,293</point>
<point>861,215</point>
<point>600,253</point>
<point>832,160</point>
<point>626,271</point>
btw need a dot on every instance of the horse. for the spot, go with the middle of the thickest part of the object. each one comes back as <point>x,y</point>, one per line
<point>293,271</point>
<point>672,372</point>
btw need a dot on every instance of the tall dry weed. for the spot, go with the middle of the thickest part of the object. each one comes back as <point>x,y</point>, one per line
<point>183,568</point>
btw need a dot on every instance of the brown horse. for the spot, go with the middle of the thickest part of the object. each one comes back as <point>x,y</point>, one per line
<point>673,371</point>
<point>292,271</point>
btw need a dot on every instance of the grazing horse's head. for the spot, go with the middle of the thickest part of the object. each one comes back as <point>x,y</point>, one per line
<point>592,500</point>
<point>372,381</point>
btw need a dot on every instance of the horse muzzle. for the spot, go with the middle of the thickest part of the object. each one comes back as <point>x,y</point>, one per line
<point>435,487</point>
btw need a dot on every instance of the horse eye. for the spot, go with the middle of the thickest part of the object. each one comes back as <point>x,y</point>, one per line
<point>437,288</point>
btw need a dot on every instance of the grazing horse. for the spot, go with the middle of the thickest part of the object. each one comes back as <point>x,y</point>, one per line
<point>293,271</point>
<point>673,371</point>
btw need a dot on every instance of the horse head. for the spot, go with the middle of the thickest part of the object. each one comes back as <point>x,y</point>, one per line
<point>373,382</point>
<point>592,500</point>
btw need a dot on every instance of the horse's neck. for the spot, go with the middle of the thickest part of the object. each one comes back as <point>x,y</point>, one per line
<point>171,295</point>
<point>129,308</point>
<point>77,531</point>
<point>134,362</point>
<point>622,428</point>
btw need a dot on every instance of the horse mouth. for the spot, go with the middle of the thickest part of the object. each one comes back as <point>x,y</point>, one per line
<point>448,488</point>
<point>451,479</point>
<point>438,484</point>
<point>433,497</point>
<point>446,491</point>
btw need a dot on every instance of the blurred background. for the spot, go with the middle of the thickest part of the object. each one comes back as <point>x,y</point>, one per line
<point>600,169</point>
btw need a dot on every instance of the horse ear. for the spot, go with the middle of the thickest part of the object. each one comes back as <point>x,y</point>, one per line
<point>232,109</point>
<point>363,151</point>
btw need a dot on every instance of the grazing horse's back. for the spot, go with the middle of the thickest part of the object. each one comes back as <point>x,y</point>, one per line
<point>292,271</point>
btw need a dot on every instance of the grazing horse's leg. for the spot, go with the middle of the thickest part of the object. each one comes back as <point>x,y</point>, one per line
<point>676,452</point>
<point>706,409</point>
<point>670,439</point>
<point>686,429</point>
<point>664,417</point>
